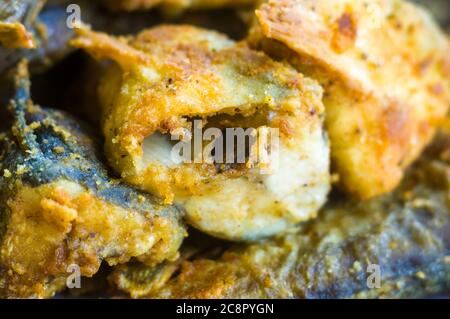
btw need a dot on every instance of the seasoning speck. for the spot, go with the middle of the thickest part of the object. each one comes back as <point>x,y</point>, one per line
<point>421,275</point>
<point>7,173</point>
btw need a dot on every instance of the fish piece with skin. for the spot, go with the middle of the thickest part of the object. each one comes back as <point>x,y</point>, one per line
<point>385,68</point>
<point>337,255</point>
<point>50,32</point>
<point>169,75</point>
<point>59,207</point>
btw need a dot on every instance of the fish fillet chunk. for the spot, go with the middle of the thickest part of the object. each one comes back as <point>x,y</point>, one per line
<point>167,77</point>
<point>393,246</point>
<point>60,211</point>
<point>385,68</point>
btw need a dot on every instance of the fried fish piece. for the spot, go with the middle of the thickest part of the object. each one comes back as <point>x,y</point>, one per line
<point>401,237</point>
<point>169,76</point>
<point>59,207</point>
<point>49,27</point>
<point>385,68</point>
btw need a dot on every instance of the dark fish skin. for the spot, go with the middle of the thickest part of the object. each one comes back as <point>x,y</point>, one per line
<point>406,233</point>
<point>35,136</point>
<point>51,34</point>
<point>47,166</point>
<point>48,24</point>
<point>52,44</point>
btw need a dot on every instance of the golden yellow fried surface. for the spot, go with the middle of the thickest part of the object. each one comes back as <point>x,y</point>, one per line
<point>404,233</point>
<point>56,225</point>
<point>168,75</point>
<point>14,35</point>
<point>385,67</point>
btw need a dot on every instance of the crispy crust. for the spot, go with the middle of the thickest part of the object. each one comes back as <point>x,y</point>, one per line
<point>386,70</point>
<point>405,233</point>
<point>168,75</point>
<point>178,54</point>
<point>59,206</point>
<point>15,35</point>
<point>59,224</point>
<point>16,20</point>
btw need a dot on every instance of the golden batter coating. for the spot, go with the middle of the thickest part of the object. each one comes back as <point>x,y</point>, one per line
<point>16,20</point>
<point>404,233</point>
<point>57,225</point>
<point>385,68</point>
<point>169,75</point>
<point>14,35</point>
<point>59,209</point>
